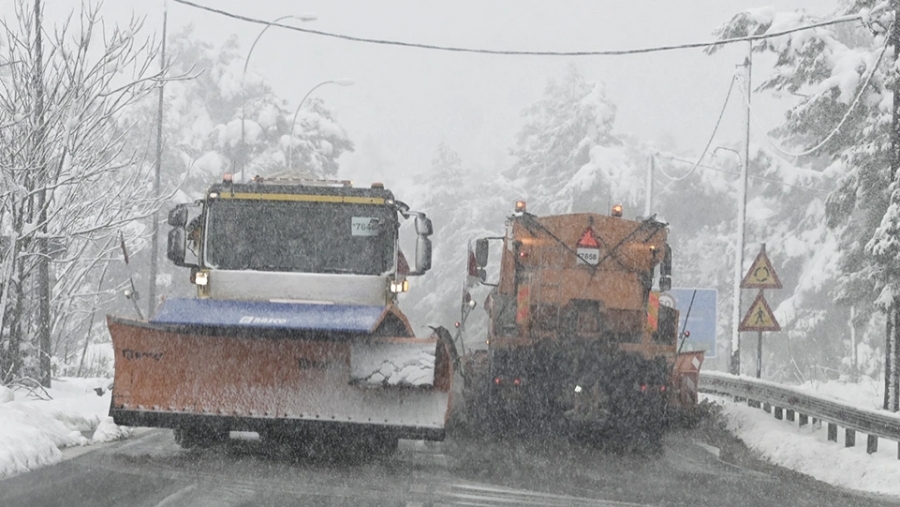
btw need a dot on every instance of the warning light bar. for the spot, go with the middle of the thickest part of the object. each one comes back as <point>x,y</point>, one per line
<point>520,207</point>
<point>617,210</point>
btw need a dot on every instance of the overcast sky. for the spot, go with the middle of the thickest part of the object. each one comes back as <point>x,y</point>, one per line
<point>406,101</point>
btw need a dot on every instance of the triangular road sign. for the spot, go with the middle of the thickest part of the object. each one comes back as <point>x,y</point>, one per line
<point>759,317</point>
<point>761,275</point>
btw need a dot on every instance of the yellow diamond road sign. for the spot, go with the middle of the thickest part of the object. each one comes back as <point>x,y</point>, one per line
<point>759,317</point>
<point>761,275</point>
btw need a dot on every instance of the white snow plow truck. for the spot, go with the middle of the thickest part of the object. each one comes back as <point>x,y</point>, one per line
<point>294,332</point>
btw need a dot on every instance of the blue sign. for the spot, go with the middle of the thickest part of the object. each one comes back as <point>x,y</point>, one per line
<point>701,323</point>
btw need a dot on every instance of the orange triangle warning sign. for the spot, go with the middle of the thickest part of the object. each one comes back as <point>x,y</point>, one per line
<point>759,317</point>
<point>588,240</point>
<point>761,275</point>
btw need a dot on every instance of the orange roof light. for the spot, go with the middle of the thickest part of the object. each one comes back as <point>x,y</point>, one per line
<point>520,206</point>
<point>227,178</point>
<point>617,210</point>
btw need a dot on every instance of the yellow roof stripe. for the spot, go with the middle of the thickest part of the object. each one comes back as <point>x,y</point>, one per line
<point>302,198</point>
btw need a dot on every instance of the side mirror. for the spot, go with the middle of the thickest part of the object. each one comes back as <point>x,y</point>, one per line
<point>176,246</point>
<point>665,270</point>
<point>481,253</point>
<point>665,283</point>
<point>178,216</point>
<point>423,256</point>
<point>424,226</point>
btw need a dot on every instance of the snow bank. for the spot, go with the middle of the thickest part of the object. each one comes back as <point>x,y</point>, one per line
<point>32,431</point>
<point>808,451</point>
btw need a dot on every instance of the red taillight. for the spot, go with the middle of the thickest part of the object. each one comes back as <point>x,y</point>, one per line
<point>643,388</point>
<point>497,380</point>
<point>517,382</point>
<point>522,255</point>
<point>662,389</point>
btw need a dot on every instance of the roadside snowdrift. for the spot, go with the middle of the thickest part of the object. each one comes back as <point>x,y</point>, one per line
<point>808,451</point>
<point>33,430</point>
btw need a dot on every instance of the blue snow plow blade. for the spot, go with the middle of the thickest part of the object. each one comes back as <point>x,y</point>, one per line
<point>267,315</point>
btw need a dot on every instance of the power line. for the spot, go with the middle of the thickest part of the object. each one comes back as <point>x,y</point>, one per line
<point>717,169</point>
<point>836,129</point>
<point>458,49</point>
<point>708,143</point>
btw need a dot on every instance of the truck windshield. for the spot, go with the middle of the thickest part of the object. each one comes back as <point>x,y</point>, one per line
<point>309,237</point>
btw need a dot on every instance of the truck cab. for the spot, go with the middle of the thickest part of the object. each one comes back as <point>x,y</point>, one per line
<point>297,240</point>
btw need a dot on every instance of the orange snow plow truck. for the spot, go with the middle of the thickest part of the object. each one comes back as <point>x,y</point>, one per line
<point>294,333</point>
<point>576,338</point>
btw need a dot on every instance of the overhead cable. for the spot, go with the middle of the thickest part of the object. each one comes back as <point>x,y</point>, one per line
<point>726,171</point>
<point>708,143</point>
<point>458,49</point>
<point>835,130</point>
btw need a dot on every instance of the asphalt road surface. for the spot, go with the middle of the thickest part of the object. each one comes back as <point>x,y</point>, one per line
<point>698,467</point>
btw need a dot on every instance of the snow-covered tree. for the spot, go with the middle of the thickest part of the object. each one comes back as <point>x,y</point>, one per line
<point>464,203</point>
<point>203,117</point>
<point>69,182</point>
<point>567,156</point>
<point>840,124</point>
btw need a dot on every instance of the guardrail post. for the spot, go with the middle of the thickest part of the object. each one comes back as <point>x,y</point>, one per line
<point>872,444</point>
<point>767,407</point>
<point>832,432</point>
<point>849,438</point>
<point>778,413</point>
<point>790,415</point>
<point>804,420</point>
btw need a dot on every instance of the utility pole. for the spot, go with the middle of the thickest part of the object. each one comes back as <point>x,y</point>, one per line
<point>648,200</point>
<point>154,256</point>
<point>892,342</point>
<point>42,181</point>
<point>739,246</point>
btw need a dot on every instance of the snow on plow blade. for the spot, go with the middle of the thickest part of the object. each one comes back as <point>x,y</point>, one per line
<point>253,365</point>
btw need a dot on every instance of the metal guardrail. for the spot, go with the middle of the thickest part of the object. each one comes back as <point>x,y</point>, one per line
<point>873,423</point>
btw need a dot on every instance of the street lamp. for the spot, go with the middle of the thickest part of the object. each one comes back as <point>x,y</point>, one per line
<point>738,263</point>
<point>340,82</point>
<point>302,17</point>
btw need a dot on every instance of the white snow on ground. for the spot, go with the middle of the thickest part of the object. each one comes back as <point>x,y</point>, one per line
<point>808,451</point>
<point>33,430</point>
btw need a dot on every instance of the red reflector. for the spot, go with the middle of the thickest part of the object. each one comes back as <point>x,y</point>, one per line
<point>643,388</point>
<point>523,254</point>
<point>497,380</point>
<point>517,382</point>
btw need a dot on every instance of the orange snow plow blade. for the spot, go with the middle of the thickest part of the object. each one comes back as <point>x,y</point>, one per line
<point>244,379</point>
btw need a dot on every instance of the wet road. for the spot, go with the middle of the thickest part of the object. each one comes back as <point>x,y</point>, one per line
<point>700,467</point>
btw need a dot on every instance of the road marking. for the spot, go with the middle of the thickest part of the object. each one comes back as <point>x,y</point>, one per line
<point>174,497</point>
<point>482,494</point>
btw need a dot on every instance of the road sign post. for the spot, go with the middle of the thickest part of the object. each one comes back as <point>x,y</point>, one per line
<point>759,316</point>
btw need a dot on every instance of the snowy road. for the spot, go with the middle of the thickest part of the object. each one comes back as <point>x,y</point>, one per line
<point>150,470</point>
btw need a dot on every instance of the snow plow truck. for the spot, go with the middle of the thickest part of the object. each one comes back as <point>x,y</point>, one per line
<point>295,332</point>
<point>576,339</point>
